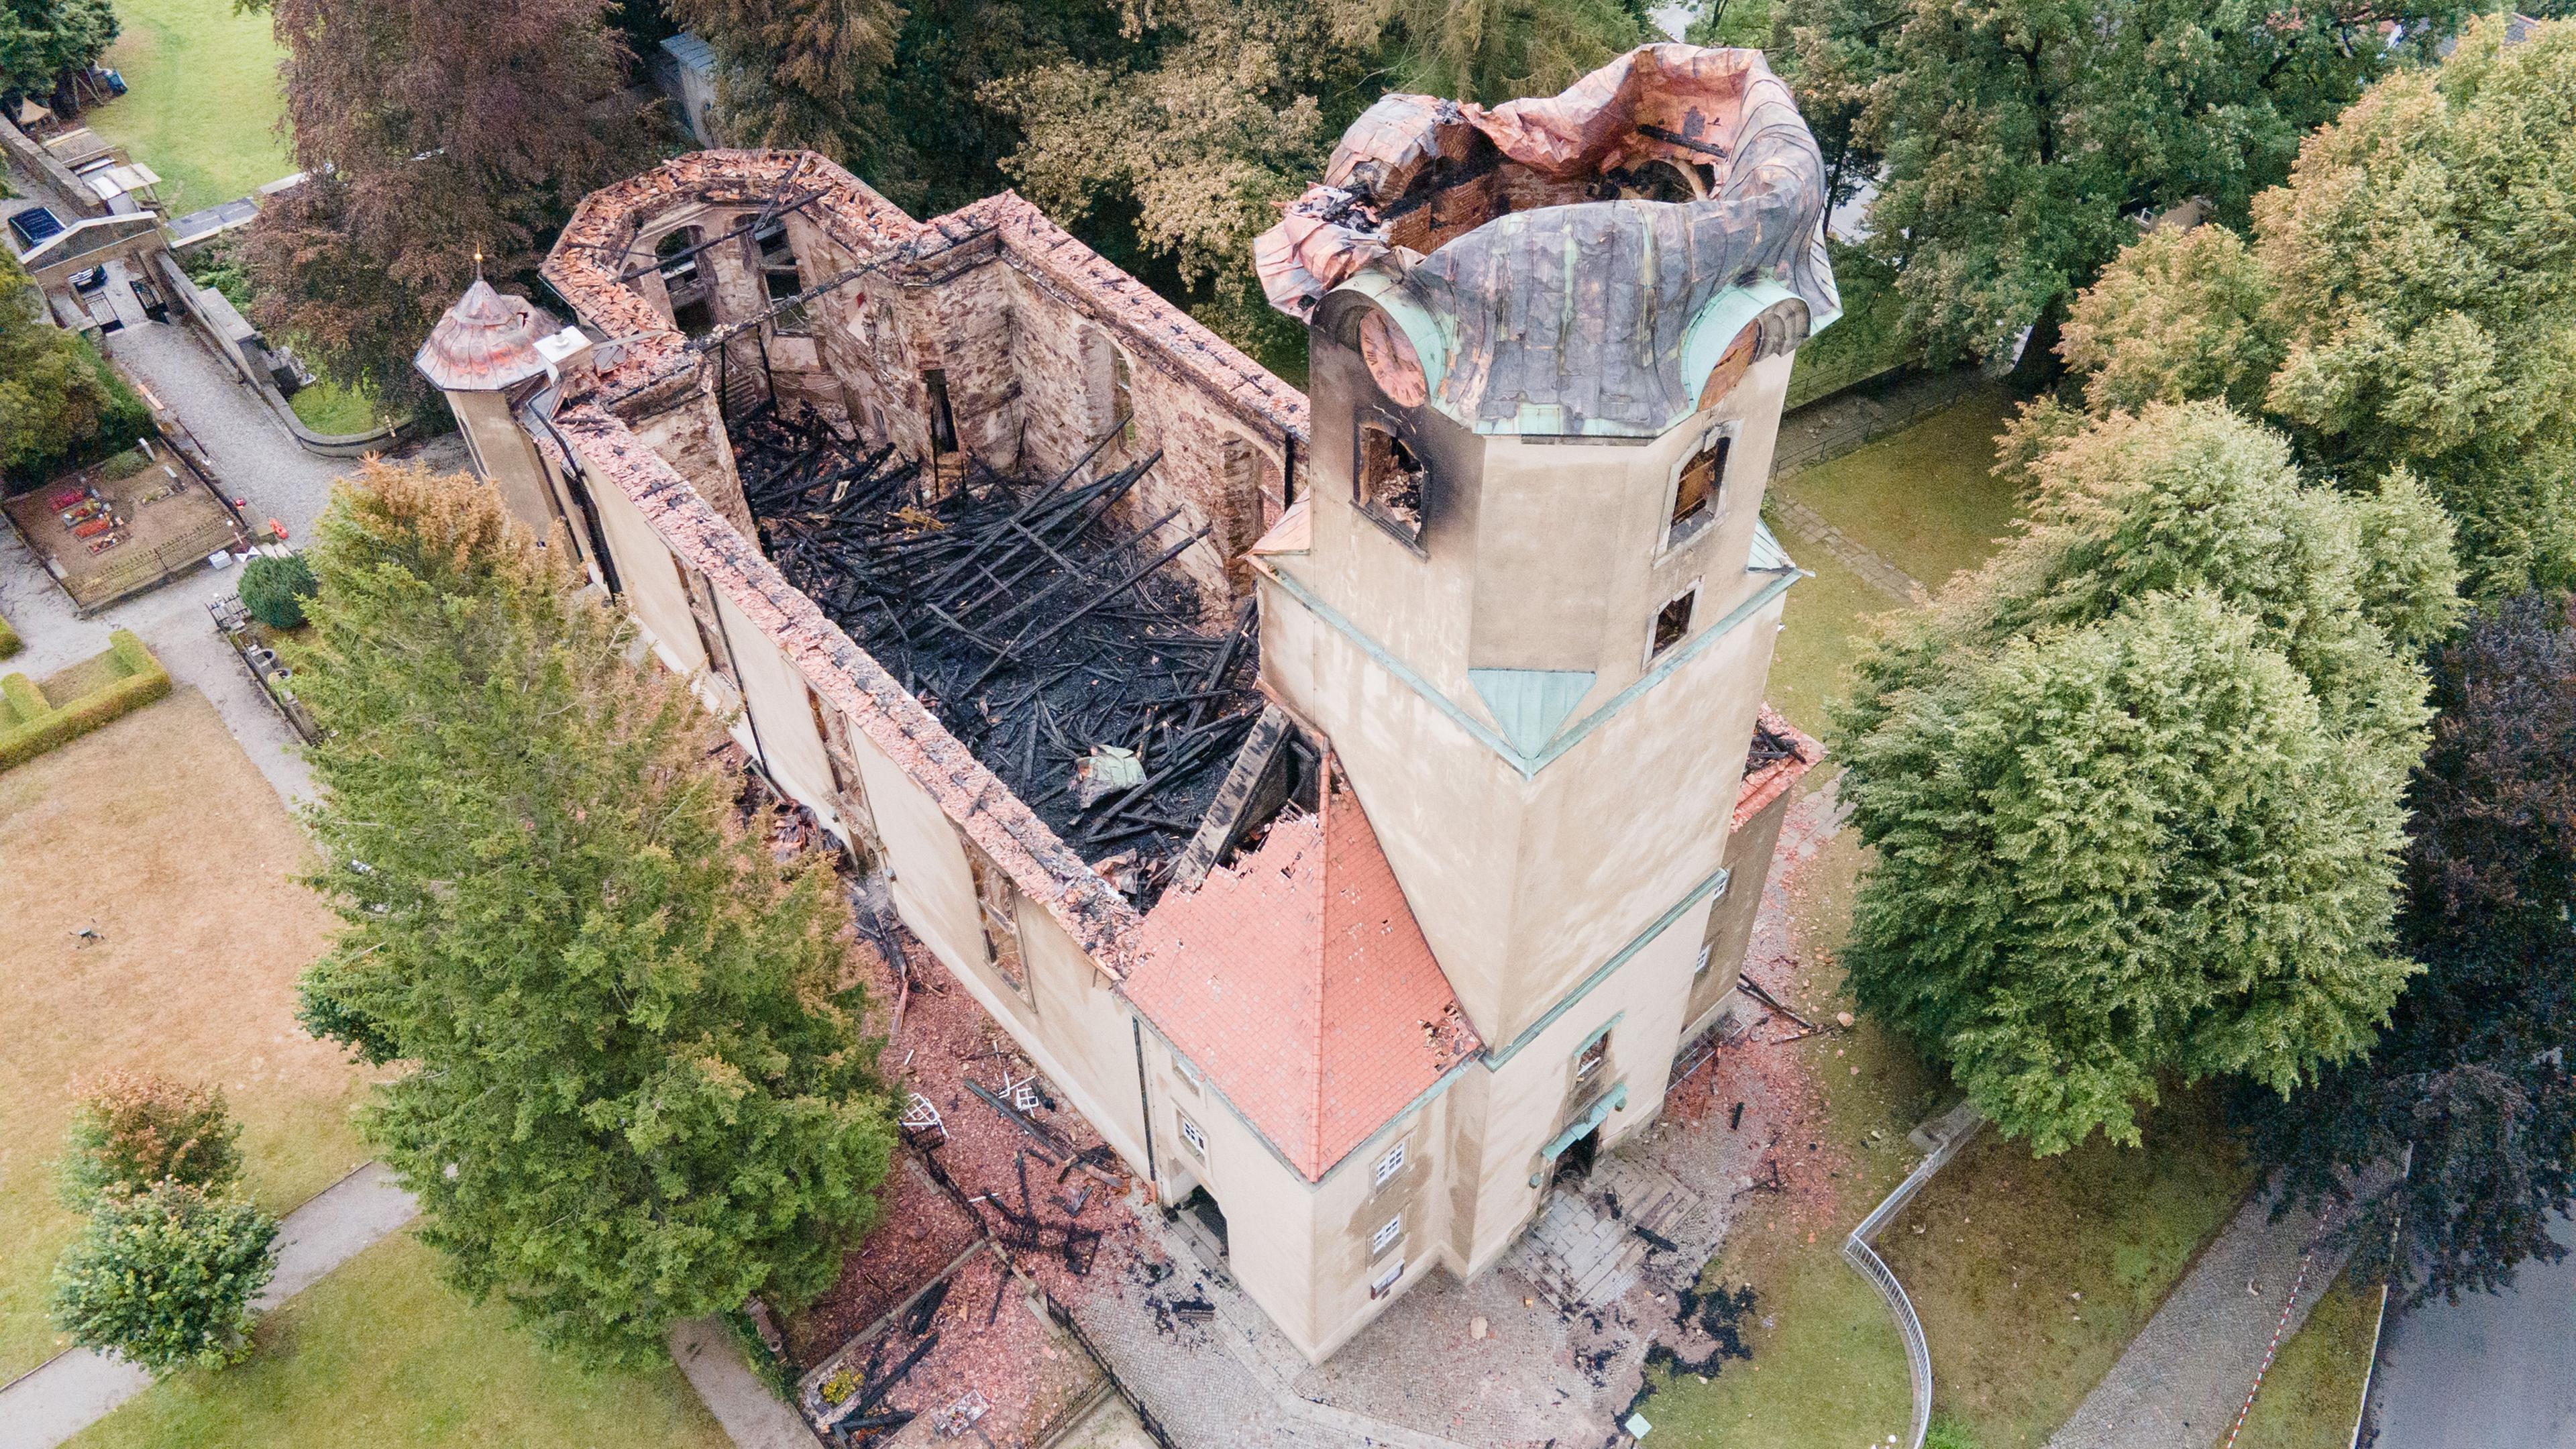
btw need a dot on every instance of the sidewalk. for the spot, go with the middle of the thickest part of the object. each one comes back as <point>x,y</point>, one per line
<point>71,1391</point>
<point>2182,1379</point>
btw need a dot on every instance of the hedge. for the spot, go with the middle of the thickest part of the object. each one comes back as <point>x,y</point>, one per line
<point>44,726</point>
<point>10,643</point>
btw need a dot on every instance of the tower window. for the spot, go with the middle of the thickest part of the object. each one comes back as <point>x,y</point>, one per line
<point>1191,1134</point>
<point>1390,482</point>
<point>1697,491</point>
<point>1587,1062</point>
<point>684,281</point>
<point>1384,1238</point>
<point>780,276</point>
<point>1672,622</point>
<point>1386,1279</point>
<point>1391,1164</point>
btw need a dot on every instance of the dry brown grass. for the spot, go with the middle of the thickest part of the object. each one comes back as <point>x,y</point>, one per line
<point>160,832</point>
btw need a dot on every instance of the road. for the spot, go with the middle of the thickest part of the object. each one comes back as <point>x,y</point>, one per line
<point>2493,1371</point>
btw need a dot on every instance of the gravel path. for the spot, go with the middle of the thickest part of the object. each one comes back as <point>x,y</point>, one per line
<point>255,460</point>
<point>71,1391</point>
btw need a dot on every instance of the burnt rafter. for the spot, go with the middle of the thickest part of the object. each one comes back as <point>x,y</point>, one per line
<point>1043,626</point>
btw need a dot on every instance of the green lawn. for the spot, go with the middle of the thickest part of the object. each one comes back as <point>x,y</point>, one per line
<point>202,100</point>
<point>1822,626</point>
<point>330,409</point>
<point>380,1355</point>
<point>1996,1249</point>
<point>1925,499</point>
<point>2313,1393</point>
<point>1829,1369</point>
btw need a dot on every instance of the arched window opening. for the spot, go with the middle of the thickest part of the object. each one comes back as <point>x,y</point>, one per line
<point>684,279</point>
<point>1390,482</point>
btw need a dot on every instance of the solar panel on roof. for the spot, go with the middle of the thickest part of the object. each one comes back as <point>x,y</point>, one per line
<point>35,225</point>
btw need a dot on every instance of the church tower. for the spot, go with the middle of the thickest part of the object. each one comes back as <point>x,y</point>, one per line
<point>489,355</point>
<point>1528,597</point>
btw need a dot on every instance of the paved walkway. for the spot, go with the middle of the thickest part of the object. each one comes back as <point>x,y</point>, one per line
<point>2182,1379</point>
<point>751,1416</point>
<point>2490,1371</point>
<point>71,1391</point>
<point>256,460</point>
<point>1805,523</point>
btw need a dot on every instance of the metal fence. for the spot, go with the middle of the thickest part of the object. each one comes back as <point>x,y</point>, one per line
<point>1865,1261</point>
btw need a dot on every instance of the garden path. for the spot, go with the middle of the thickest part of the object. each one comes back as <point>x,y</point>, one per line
<point>2183,1378</point>
<point>71,1391</point>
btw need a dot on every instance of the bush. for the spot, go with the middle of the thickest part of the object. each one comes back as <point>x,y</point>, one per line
<point>42,726</point>
<point>165,1279</point>
<point>134,1130</point>
<point>10,643</point>
<point>274,590</point>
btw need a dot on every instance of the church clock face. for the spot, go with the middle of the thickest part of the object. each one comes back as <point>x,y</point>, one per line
<point>1392,361</point>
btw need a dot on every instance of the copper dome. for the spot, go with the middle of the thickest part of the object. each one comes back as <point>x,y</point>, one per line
<point>485,343</point>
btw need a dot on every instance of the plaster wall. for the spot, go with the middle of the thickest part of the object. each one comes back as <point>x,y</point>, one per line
<point>507,456</point>
<point>776,702</point>
<point>1532,556</point>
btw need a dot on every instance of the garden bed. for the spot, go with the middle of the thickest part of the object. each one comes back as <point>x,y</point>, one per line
<point>128,524</point>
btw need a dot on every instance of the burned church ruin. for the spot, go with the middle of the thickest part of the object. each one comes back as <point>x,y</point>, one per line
<point>1351,802</point>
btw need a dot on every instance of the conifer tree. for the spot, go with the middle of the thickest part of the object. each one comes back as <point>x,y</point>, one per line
<point>633,1087</point>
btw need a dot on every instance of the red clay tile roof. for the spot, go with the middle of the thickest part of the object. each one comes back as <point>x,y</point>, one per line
<point>1300,984</point>
<point>1764,785</point>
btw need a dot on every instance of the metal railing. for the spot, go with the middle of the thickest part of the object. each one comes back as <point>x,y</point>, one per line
<point>1865,1261</point>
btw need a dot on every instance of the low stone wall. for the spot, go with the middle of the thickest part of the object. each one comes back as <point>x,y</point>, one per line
<point>30,153</point>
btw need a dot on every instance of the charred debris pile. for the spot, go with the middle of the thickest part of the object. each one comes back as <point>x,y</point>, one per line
<point>1044,630</point>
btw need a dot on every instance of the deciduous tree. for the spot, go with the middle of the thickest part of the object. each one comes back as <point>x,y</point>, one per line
<point>2472,1089</point>
<point>2406,303</point>
<point>429,131</point>
<point>133,1129</point>
<point>2134,786</point>
<point>2023,137</point>
<point>634,1087</point>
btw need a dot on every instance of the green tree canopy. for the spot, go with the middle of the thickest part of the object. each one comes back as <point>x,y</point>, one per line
<point>165,1277</point>
<point>2407,302</point>
<point>2021,138</point>
<point>59,402</point>
<point>40,40</point>
<point>634,1084</point>
<point>2472,1089</point>
<point>2134,786</point>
